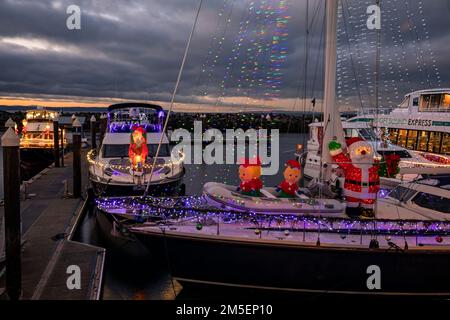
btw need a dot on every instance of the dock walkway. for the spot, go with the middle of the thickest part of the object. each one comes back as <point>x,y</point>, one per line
<point>48,221</point>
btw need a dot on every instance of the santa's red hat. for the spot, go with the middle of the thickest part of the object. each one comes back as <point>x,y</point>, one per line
<point>352,140</point>
<point>355,143</point>
<point>293,164</point>
<point>254,162</point>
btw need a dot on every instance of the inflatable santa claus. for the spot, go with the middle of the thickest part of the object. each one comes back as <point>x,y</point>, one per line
<point>362,181</point>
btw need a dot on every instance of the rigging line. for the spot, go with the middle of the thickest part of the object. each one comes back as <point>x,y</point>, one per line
<point>360,57</point>
<point>230,14</point>
<point>299,79</point>
<point>180,73</point>
<point>208,54</point>
<point>413,32</point>
<point>294,106</point>
<point>212,72</point>
<point>252,74</point>
<point>236,50</point>
<point>231,64</point>
<point>267,57</point>
<point>352,62</point>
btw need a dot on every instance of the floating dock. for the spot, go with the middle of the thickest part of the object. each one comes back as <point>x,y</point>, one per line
<point>49,219</point>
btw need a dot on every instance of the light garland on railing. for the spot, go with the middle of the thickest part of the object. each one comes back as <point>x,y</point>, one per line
<point>196,208</point>
<point>92,161</point>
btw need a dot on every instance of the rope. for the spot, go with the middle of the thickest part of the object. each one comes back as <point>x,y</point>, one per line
<point>180,73</point>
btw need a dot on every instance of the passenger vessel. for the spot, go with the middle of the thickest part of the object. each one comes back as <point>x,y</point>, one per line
<point>421,122</point>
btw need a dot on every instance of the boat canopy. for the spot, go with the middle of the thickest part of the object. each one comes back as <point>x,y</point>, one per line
<point>124,138</point>
<point>128,105</point>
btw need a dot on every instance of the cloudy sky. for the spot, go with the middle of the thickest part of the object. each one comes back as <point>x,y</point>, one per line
<point>132,49</point>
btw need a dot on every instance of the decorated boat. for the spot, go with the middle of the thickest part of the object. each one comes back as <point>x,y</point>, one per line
<point>297,253</point>
<point>421,122</point>
<point>37,140</point>
<point>126,162</point>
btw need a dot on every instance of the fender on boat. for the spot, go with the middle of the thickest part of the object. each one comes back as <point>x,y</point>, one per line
<point>225,196</point>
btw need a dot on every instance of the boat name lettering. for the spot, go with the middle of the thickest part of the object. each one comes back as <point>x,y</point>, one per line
<point>420,122</point>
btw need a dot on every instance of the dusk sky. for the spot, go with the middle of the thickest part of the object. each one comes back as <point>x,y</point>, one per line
<point>132,50</point>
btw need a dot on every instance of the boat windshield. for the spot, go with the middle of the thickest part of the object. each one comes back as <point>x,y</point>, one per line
<point>121,150</point>
<point>365,133</point>
<point>432,202</point>
<point>402,194</point>
<point>404,154</point>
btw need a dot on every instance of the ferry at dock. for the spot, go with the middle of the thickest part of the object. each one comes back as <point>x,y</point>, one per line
<point>421,122</point>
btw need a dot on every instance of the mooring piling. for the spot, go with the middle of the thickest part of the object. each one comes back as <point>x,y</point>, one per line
<point>93,132</point>
<point>62,146</point>
<point>76,158</point>
<point>56,140</point>
<point>11,176</point>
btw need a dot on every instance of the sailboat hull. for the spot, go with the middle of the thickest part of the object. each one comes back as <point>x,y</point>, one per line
<point>300,267</point>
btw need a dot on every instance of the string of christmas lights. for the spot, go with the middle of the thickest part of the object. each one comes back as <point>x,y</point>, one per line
<point>407,36</point>
<point>172,210</point>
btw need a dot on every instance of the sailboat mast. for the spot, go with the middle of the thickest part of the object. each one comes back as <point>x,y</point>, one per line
<point>332,129</point>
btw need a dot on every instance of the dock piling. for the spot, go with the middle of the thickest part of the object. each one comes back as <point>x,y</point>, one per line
<point>56,140</point>
<point>76,159</point>
<point>93,133</point>
<point>62,146</point>
<point>11,174</point>
<point>103,125</point>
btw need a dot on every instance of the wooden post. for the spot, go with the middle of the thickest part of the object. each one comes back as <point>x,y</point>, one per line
<point>62,146</point>
<point>11,185</point>
<point>76,159</point>
<point>93,133</point>
<point>56,140</point>
<point>103,124</point>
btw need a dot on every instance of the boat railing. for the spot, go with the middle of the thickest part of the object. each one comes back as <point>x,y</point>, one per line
<point>375,111</point>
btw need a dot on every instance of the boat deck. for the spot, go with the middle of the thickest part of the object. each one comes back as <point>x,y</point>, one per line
<point>48,220</point>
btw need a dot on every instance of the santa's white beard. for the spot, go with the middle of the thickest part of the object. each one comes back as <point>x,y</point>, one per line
<point>362,161</point>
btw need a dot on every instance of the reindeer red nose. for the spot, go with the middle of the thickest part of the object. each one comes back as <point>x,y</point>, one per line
<point>363,152</point>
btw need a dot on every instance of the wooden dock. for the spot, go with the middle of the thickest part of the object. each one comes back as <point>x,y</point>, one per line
<point>49,218</point>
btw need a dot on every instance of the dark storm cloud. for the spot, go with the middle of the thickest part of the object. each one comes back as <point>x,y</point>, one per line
<point>132,49</point>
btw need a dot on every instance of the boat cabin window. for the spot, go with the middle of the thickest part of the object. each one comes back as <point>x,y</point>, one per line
<point>121,150</point>
<point>432,202</point>
<point>402,193</point>
<point>39,135</point>
<point>405,103</point>
<point>427,141</point>
<point>404,154</point>
<point>435,102</point>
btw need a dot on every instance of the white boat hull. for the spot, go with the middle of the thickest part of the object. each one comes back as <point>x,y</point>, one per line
<point>225,197</point>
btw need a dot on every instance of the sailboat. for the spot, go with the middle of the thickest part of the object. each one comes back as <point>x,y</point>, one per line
<point>295,253</point>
